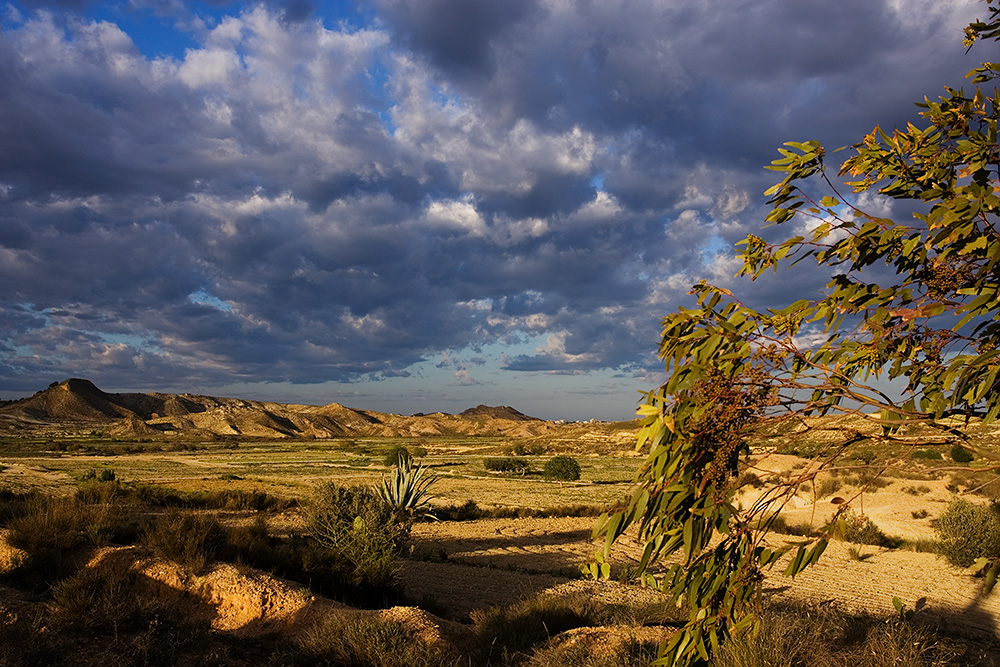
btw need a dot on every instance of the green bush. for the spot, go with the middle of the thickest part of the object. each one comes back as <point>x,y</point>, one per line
<point>507,464</point>
<point>866,456</point>
<point>563,468</point>
<point>860,529</point>
<point>960,454</point>
<point>533,449</point>
<point>395,455</point>
<point>359,528</point>
<point>967,531</point>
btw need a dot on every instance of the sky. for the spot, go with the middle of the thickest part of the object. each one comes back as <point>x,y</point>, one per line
<point>414,206</point>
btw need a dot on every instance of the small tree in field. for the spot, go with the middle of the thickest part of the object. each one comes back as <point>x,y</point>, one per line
<point>914,301</point>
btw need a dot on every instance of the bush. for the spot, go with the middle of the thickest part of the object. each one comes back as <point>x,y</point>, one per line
<point>563,468</point>
<point>866,456</point>
<point>507,464</point>
<point>49,527</point>
<point>960,454</point>
<point>534,449</point>
<point>190,540</point>
<point>860,529</point>
<point>359,528</point>
<point>968,531</point>
<point>394,456</point>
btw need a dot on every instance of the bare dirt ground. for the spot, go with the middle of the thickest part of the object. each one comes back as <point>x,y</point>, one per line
<point>494,562</point>
<point>497,562</point>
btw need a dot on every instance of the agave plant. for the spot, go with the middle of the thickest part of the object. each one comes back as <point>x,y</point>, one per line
<point>406,490</point>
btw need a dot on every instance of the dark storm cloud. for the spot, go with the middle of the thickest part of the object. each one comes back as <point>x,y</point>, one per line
<point>457,37</point>
<point>294,201</point>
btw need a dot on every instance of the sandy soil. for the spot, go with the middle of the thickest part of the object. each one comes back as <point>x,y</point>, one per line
<point>493,562</point>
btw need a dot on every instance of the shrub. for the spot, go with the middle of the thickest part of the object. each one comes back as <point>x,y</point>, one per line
<point>48,525</point>
<point>563,468</point>
<point>828,486</point>
<point>960,454</point>
<point>507,464</point>
<point>968,531</point>
<point>749,478</point>
<point>358,527</point>
<point>521,449</point>
<point>395,455</point>
<point>860,529</point>
<point>190,540</point>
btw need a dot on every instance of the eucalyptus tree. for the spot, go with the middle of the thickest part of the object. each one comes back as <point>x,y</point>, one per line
<point>912,301</point>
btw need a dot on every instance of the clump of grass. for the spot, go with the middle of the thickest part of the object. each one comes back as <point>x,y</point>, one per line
<point>371,641</point>
<point>866,456</point>
<point>188,539</point>
<point>509,634</point>
<point>920,514</point>
<point>779,524</point>
<point>97,598</point>
<point>630,653</point>
<point>811,636</point>
<point>48,525</point>
<point>748,478</point>
<point>917,490</point>
<point>470,511</point>
<point>828,486</point>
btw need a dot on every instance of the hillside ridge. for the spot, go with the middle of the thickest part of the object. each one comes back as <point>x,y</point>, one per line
<point>78,403</point>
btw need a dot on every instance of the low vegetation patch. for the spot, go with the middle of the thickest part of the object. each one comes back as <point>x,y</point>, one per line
<point>371,641</point>
<point>814,636</point>
<point>507,465</point>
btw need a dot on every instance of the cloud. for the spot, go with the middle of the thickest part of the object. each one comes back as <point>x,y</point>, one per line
<point>415,183</point>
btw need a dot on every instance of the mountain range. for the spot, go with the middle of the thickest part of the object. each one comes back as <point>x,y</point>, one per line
<point>78,404</point>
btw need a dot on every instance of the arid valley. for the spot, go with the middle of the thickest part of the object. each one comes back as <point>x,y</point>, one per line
<point>497,543</point>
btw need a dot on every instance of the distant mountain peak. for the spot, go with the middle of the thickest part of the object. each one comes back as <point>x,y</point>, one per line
<point>498,412</point>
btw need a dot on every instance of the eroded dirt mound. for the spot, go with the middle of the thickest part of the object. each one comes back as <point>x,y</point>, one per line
<point>249,603</point>
<point>10,556</point>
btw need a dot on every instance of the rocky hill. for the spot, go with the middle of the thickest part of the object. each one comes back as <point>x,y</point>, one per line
<point>78,404</point>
